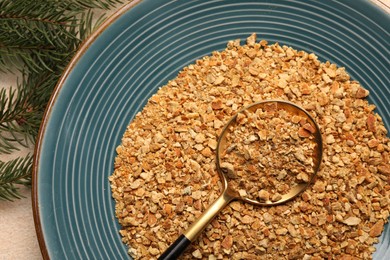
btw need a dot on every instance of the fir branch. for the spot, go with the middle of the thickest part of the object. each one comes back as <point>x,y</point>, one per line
<point>33,29</point>
<point>13,173</point>
<point>12,106</point>
<point>39,38</point>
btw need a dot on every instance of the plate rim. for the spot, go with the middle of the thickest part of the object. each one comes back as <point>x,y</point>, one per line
<point>85,45</point>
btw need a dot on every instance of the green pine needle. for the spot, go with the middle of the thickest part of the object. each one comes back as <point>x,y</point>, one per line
<point>38,38</point>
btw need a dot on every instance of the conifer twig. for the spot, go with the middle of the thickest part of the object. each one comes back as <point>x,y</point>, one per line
<point>38,38</point>
<point>13,173</point>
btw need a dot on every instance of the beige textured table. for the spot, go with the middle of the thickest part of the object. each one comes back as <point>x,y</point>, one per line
<point>17,232</point>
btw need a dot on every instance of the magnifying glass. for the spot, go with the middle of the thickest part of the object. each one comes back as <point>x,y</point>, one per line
<point>274,131</point>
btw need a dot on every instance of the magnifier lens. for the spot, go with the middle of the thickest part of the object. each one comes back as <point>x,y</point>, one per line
<point>268,150</point>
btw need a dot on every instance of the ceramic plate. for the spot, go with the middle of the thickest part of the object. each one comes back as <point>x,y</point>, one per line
<point>138,50</point>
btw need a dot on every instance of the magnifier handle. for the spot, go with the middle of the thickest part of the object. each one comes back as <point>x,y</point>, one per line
<point>176,249</point>
<point>184,240</point>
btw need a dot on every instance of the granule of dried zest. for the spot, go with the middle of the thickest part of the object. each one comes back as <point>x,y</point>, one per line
<point>161,156</point>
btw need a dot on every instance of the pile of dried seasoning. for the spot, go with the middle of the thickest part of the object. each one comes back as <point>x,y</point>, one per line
<point>165,173</point>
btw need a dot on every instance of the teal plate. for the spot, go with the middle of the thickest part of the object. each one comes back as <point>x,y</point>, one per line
<point>138,50</point>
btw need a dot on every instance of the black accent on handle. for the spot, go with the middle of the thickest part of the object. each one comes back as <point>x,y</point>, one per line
<point>176,249</point>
